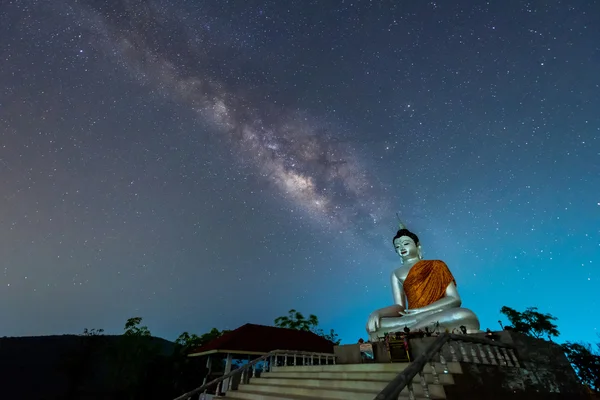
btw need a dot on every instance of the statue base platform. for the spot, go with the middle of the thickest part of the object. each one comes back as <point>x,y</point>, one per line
<point>543,371</point>
<point>378,352</point>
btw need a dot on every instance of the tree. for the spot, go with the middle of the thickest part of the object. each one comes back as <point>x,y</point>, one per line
<point>584,360</point>
<point>531,322</point>
<point>133,354</point>
<point>78,363</point>
<point>586,363</point>
<point>296,320</point>
<point>331,336</point>
<point>92,332</point>
<point>188,341</point>
<point>212,335</point>
<point>185,372</point>
<point>133,328</point>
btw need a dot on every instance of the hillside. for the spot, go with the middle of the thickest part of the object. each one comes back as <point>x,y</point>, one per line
<point>68,366</point>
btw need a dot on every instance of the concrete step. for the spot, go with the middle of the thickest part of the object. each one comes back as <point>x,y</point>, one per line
<point>345,384</point>
<point>250,395</point>
<point>265,396</point>
<point>452,367</point>
<point>445,379</point>
<point>374,367</point>
<point>323,390</point>
<point>322,383</point>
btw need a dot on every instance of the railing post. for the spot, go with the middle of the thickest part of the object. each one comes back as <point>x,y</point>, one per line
<point>228,366</point>
<point>424,385</point>
<point>436,378</point>
<point>463,352</point>
<point>491,355</point>
<point>474,353</point>
<point>514,358</point>
<point>506,358</point>
<point>452,352</point>
<point>501,359</point>
<point>482,353</point>
<point>411,392</point>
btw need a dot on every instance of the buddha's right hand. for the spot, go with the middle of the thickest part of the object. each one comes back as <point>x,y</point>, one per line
<point>374,322</point>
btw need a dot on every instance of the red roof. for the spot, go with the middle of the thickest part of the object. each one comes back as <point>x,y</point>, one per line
<point>262,339</point>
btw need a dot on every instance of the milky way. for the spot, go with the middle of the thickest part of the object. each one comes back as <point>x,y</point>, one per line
<point>309,162</point>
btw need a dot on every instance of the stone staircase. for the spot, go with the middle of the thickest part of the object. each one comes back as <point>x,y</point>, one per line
<point>342,382</point>
<point>448,366</point>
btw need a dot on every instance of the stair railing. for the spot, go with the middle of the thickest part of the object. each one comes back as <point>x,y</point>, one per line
<point>482,351</point>
<point>270,360</point>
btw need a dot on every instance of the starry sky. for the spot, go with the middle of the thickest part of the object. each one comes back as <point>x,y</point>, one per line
<point>211,163</point>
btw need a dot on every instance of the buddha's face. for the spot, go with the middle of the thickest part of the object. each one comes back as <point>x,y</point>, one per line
<point>406,247</point>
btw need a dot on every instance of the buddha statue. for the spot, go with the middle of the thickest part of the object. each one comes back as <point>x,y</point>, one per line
<point>425,295</point>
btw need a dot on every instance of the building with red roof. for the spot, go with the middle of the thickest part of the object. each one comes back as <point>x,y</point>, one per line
<point>251,339</point>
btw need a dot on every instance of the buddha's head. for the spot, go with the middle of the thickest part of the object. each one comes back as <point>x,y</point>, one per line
<point>407,245</point>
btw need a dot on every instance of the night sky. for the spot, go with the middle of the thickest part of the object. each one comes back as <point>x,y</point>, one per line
<point>211,163</point>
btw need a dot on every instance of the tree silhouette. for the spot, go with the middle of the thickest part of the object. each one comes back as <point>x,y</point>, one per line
<point>586,363</point>
<point>78,362</point>
<point>296,320</point>
<point>188,341</point>
<point>531,322</point>
<point>186,370</point>
<point>331,336</point>
<point>584,360</point>
<point>134,352</point>
<point>133,328</point>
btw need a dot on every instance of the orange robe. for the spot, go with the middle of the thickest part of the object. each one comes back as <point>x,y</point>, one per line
<point>427,282</point>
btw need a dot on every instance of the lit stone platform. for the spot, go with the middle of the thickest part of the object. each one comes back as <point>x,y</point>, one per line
<point>341,381</point>
<point>493,366</point>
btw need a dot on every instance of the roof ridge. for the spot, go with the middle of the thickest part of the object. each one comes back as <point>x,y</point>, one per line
<point>264,338</point>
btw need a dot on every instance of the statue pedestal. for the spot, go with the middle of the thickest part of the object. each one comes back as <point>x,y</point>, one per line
<point>351,354</point>
<point>480,372</point>
<point>347,354</point>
